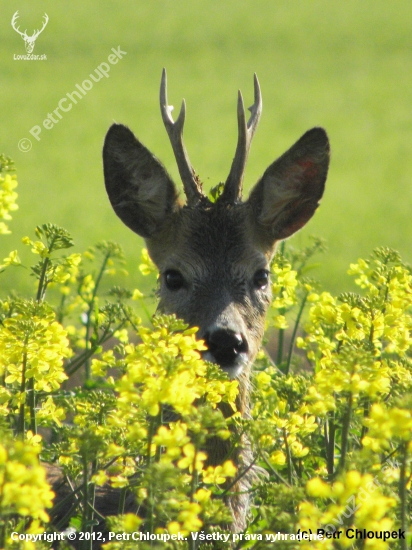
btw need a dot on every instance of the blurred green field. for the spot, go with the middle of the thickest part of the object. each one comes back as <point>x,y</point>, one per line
<point>344,65</point>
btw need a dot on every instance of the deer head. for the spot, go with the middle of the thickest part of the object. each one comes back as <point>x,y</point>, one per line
<point>214,258</point>
<point>29,41</point>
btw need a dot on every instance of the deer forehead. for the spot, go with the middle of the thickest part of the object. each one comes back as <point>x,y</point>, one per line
<point>200,241</point>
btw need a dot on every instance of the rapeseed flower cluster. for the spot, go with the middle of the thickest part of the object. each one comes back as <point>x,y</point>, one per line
<point>330,447</point>
<point>284,288</point>
<point>8,195</point>
<point>167,369</point>
<point>331,426</point>
<point>353,502</point>
<point>358,343</point>
<point>33,348</point>
<point>24,490</point>
<point>281,422</point>
<point>386,425</point>
<point>167,401</point>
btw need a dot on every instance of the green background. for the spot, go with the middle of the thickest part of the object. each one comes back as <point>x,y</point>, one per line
<point>346,66</point>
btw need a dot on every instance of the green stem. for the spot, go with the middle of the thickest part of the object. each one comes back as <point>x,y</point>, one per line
<point>88,502</point>
<point>65,519</point>
<point>85,494</point>
<point>149,440</point>
<point>330,446</point>
<point>90,311</point>
<point>150,499</point>
<point>193,485</point>
<point>32,405</point>
<point>122,500</point>
<point>274,472</point>
<point>345,433</point>
<point>146,311</point>
<point>195,477</point>
<point>91,504</point>
<point>239,477</point>
<point>123,493</point>
<point>365,415</point>
<point>402,492</point>
<point>74,365</point>
<point>78,361</point>
<point>73,495</point>
<point>289,457</point>
<point>41,289</point>
<point>280,342</point>
<point>390,455</point>
<point>295,330</point>
<point>21,424</point>
<point>2,534</point>
<point>60,310</point>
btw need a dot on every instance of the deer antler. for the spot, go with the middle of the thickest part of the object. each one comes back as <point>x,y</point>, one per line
<point>46,20</point>
<point>233,186</point>
<point>13,24</point>
<point>191,185</point>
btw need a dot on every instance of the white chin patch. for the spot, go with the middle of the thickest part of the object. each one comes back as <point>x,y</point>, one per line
<point>233,371</point>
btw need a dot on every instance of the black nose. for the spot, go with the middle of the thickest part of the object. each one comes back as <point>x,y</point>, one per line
<point>225,345</point>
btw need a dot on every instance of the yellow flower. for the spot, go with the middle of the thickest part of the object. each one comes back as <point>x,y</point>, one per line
<point>202,495</point>
<point>11,259</point>
<point>315,487</point>
<point>193,459</point>
<point>298,450</point>
<point>147,266</point>
<point>174,527</point>
<point>370,513</point>
<point>137,295</point>
<point>278,458</point>
<point>189,517</point>
<point>101,478</point>
<point>173,438</point>
<point>23,487</point>
<point>385,424</point>
<point>34,347</point>
<point>8,199</point>
<point>218,474</point>
<point>279,321</point>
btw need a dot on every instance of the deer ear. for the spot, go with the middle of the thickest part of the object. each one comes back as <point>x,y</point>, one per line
<point>287,195</point>
<point>139,188</point>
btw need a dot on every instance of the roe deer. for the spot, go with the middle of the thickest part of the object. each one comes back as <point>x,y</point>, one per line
<point>214,258</point>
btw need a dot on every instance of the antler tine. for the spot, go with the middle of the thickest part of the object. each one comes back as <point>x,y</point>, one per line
<point>13,23</point>
<point>46,20</point>
<point>175,131</point>
<point>233,186</point>
<point>37,32</point>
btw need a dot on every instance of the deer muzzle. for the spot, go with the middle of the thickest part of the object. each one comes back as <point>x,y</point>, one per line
<point>227,348</point>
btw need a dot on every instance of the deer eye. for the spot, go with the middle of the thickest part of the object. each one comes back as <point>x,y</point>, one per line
<point>261,278</point>
<point>174,279</point>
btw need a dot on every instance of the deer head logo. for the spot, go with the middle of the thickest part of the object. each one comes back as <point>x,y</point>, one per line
<point>29,41</point>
